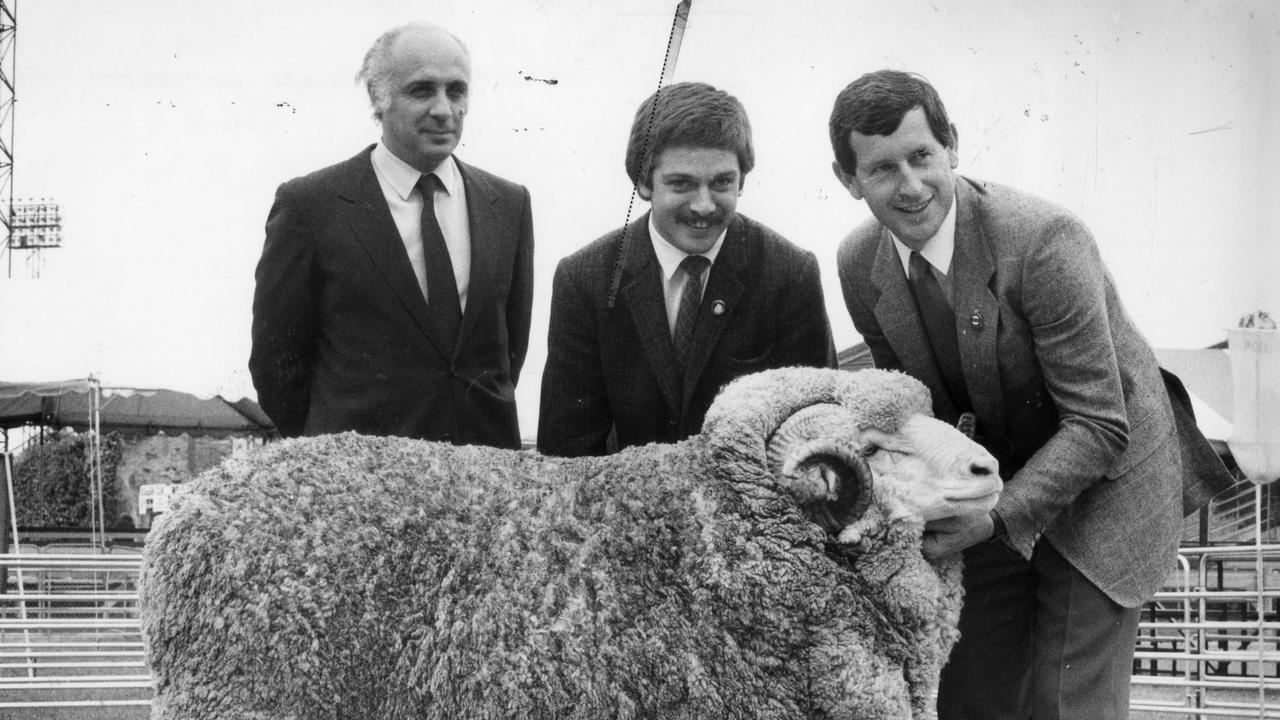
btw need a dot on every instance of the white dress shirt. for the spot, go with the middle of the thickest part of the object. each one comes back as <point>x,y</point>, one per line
<point>399,181</point>
<point>937,251</point>
<point>670,257</point>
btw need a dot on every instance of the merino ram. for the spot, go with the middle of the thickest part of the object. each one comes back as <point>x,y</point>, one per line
<point>767,568</point>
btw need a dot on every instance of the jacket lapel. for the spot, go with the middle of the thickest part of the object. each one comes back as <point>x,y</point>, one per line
<point>977,312</point>
<point>371,224</point>
<point>641,290</point>
<point>723,290</point>
<point>896,312</point>
<point>486,227</point>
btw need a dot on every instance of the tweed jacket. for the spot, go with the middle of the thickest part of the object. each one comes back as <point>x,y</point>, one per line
<point>342,336</point>
<point>611,378</point>
<point>1067,393</point>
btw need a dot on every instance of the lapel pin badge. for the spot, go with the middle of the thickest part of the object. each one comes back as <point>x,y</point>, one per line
<point>717,307</point>
<point>975,320</point>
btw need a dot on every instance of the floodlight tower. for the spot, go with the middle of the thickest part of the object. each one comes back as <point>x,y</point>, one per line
<point>8,39</point>
<point>8,67</point>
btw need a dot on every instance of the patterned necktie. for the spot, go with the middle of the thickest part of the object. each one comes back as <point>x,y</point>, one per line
<point>442,288</point>
<point>693,267</point>
<point>940,325</point>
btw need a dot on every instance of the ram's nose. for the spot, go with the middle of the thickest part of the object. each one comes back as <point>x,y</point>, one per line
<point>979,483</point>
<point>979,464</point>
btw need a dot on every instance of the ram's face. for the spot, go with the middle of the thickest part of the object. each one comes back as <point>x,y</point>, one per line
<point>923,470</point>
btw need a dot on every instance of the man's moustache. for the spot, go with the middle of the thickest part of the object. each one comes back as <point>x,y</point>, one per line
<point>714,219</point>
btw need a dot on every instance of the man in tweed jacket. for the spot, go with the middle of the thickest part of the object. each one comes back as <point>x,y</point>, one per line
<point>1066,392</point>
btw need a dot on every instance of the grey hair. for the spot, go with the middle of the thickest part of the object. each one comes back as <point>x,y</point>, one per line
<point>375,71</point>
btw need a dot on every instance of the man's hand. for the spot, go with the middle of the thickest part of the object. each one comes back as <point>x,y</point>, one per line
<point>953,534</point>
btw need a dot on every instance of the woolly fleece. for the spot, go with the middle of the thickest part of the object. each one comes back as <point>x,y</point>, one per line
<point>359,577</point>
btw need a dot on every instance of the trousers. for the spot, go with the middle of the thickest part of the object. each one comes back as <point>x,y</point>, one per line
<point>1037,640</point>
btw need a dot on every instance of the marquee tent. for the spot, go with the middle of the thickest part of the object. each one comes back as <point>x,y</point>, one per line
<point>72,403</point>
<point>86,406</point>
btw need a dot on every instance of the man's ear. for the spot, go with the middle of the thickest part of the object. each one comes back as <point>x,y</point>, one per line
<point>954,151</point>
<point>849,182</point>
<point>645,192</point>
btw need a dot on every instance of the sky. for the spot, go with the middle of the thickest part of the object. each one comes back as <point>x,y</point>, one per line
<point>163,128</point>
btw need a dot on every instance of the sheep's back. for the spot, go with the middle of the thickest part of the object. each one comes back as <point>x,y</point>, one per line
<point>350,576</point>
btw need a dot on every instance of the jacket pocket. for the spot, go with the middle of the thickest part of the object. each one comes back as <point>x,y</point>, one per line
<point>1145,437</point>
<point>759,361</point>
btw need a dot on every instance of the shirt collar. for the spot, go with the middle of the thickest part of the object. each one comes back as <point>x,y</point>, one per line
<point>670,256</point>
<point>939,249</point>
<point>402,177</point>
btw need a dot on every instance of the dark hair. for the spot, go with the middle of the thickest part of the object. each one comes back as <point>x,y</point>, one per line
<point>687,114</point>
<point>875,104</point>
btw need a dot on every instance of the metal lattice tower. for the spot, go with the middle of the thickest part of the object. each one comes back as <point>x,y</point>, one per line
<point>8,41</point>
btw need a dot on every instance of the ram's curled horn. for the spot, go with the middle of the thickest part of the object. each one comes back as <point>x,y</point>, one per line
<point>811,454</point>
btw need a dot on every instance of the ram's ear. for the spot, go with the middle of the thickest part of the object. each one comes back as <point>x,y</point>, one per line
<point>833,487</point>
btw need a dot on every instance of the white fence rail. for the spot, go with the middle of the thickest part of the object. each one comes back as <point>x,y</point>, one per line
<point>1208,646</point>
<point>69,628</point>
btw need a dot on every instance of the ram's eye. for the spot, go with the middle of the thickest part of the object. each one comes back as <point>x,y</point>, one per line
<point>868,450</point>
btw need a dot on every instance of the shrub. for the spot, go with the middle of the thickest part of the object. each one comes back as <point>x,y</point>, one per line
<point>53,481</point>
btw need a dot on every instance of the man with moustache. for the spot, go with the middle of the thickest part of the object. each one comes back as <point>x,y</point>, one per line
<point>395,289</point>
<point>651,320</point>
<point>1000,303</point>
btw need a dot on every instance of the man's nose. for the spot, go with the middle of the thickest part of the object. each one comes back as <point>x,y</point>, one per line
<point>910,186</point>
<point>702,201</point>
<point>440,105</point>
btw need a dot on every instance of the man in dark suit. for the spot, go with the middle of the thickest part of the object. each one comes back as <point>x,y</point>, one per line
<point>651,320</point>
<point>1000,303</point>
<point>394,290</point>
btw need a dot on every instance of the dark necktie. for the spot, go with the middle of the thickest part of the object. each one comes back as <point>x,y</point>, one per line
<point>940,325</point>
<point>442,288</point>
<point>693,267</point>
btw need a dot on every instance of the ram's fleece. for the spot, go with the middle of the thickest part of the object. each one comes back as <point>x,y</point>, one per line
<point>754,571</point>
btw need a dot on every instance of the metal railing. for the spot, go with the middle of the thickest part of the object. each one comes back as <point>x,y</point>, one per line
<point>1209,643</point>
<point>69,624</point>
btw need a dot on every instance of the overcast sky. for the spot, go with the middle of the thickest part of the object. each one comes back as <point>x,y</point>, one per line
<point>164,126</point>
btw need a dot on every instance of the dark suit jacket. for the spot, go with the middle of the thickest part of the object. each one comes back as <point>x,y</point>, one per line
<point>342,339</point>
<point>614,368</point>
<point>1067,392</point>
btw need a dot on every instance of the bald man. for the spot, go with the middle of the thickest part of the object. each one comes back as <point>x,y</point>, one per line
<point>394,289</point>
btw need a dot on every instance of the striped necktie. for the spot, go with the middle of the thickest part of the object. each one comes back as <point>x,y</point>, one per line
<point>693,266</point>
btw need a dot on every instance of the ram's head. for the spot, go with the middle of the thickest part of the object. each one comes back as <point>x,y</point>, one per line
<point>840,441</point>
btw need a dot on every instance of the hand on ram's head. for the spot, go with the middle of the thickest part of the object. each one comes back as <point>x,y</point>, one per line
<point>932,469</point>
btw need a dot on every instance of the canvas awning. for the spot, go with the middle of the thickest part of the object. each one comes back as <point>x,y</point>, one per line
<point>69,403</point>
